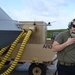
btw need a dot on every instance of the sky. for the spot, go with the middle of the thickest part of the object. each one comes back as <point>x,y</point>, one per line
<point>58,12</point>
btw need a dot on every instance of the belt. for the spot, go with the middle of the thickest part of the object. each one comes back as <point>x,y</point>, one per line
<point>66,64</point>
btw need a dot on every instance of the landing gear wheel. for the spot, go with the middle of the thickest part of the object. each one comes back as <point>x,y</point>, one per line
<point>37,69</point>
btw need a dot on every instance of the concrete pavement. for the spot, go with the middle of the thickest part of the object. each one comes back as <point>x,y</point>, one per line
<point>22,69</point>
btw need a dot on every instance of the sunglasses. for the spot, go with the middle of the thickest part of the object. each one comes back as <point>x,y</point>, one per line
<point>73,25</point>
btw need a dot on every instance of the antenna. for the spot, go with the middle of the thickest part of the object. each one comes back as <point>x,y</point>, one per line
<point>51,22</point>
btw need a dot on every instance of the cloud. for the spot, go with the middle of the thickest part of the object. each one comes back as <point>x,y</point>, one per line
<point>43,10</point>
<point>40,8</point>
<point>46,8</point>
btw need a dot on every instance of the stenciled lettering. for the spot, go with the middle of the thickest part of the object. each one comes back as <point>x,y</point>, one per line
<point>47,46</point>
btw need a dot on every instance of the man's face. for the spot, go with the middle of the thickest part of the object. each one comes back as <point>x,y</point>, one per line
<point>73,27</point>
<point>74,23</point>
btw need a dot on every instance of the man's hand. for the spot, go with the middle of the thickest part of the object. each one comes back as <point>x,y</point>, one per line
<point>70,41</point>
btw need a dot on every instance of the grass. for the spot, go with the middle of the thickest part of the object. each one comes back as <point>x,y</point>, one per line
<point>49,32</point>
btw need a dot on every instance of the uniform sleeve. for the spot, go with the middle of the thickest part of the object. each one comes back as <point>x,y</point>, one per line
<point>59,38</point>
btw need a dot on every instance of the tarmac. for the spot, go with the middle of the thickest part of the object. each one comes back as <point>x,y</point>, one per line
<point>22,69</point>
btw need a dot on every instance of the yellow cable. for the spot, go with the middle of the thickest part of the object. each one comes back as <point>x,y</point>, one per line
<point>3,50</point>
<point>18,56</point>
<point>10,50</point>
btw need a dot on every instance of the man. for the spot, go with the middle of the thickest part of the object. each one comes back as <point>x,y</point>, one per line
<point>64,45</point>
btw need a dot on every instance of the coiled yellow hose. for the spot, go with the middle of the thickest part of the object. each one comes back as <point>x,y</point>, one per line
<point>18,54</point>
<point>3,50</point>
<point>10,50</point>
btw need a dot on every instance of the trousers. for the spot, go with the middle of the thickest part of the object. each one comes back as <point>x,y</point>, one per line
<point>65,70</point>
